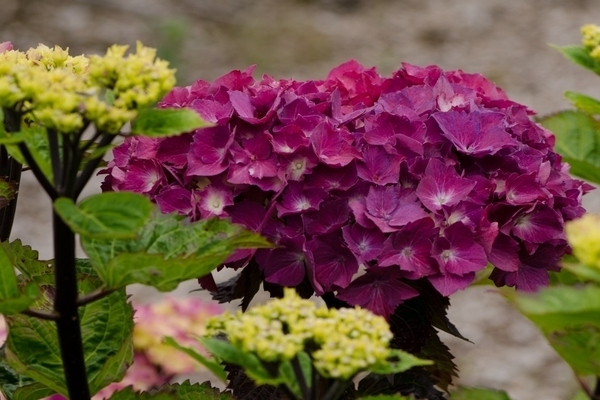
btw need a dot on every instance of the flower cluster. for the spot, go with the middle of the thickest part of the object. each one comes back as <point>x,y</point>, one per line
<point>584,237</point>
<point>154,362</point>
<point>183,319</point>
<point>424,174</point>
<point>591,40</point>
<point>65,93</point>
<point>343,342</point>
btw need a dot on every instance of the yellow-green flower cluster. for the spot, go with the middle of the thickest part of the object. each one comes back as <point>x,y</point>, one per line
<point>64,93</point>
<point>583,235</point>
<point>591,39</point>
<point>341,342</point>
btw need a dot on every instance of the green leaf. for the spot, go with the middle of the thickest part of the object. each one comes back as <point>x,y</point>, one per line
<point>404,362</point>
<point>216,368</point>
<point>7,192</point>
<point>168,251</point>
<point>107,324</point>
<point>578,141</point>
<point>160,122</point>
<point>10,380</point>
<point>569,317</point>
<point>110,215</point>
<point>580,56</point>
<point>32,392</point>
<point>386,397</point>
<point>479,394</point>
<point>12,299</point>
<point>584,103</point>
<point>249,362</point>
<point>176,391</point>
<point>36,140</point>
<point>25,259</point>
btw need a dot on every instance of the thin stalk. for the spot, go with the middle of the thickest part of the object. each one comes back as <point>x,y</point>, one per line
<point>97,294</point>
<point>65,305</point>
<point>335,390</point>
<point>57,172</point>
<point>10,169</point>
<point>91,165</point>
<point>300,377</point>
<point>596,395</point>
<point>40,314</point>
<point>39,175</point>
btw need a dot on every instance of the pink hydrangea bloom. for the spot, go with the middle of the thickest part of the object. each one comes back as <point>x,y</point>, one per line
<point>425,174</point>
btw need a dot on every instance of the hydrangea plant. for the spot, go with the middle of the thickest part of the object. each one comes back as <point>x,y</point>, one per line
<point>367,184</point>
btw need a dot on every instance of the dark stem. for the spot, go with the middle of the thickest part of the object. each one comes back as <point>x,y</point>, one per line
<point>335,390</point>
<point>97,294</point>
<point>65,305</point>
<point>10,169</point>
<point>596,395</point>
<point>55,158</point>
<point>91,165</point>
<point>39,175</point>
<point>300,377</point>
<point>41,314</point>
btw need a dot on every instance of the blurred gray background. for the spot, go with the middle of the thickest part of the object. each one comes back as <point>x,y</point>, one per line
<point>506,40</point>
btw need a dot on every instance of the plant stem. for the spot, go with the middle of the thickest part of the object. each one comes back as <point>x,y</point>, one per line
<point>91,165</point>
<point>10,169</point>
<point>596,395</point>
<point>65,305</point>
<point>300,377</point>
<point>335,390</point>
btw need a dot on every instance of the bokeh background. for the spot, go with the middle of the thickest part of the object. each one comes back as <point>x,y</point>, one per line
<point>506,40</point>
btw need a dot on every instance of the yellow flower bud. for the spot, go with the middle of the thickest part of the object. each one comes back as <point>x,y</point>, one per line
<point>583,235</point>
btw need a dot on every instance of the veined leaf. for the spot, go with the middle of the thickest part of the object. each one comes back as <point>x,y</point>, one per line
<point>569,317</point>
<point>405,362</point>
<point>176,391</point>
<point>168,251</point>
<point>32,347</point>
<point>578,141</point>
<point>107,215</point>
<point>12,299</point>
<point>584,103</point>
<point>479,394</point>
<point>580,56</point>
<point>10,380</point>
<point>7,192</point>
<point>161,122</point>
<point>33,391</point>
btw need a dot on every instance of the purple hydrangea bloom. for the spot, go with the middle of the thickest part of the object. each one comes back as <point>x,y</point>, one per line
<point>366,183</point>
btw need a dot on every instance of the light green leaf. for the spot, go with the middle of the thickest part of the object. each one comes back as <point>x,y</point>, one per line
<point>32,392</point>
<point>578,141</point>
<point>249,362</point>
<point>110,215</point>
<point>107,324</point>
<point>405,361</point>
<point>479,394</point>
<point>216,368</point>
<point>168,251</point>
<point>25,259</point>
<point>160,122</point>
<point>12,299</point>
<point>176,391</point>
<point>569,317</point>
<point>7,192</point>
<point>584,103</point>
<point>580,56</point>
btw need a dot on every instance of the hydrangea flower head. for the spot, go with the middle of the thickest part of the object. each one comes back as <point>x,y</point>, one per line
<point>425,174</point>
<point>584,236</point>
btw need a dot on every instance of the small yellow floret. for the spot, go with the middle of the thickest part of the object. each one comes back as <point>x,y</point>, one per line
<point>583,235</point>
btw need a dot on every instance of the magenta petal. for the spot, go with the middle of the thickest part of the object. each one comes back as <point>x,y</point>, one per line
<point>174,199</point>
<point>143,176</point>
<point>285,265</point>
<point>331,216</point>
<point>378,166</point>
<point>378,290</point>
<point>297,199</point>
<point>391,207</point>
<point>448,284</point>
<point>505,253</point>
<point>457,252</point>
<point>366,244</point>
<point>522,189</point>
<point>441,186</point>
<point>333,145</point>
<point>333,265</point>
<point>330,178</point>
<point>539,226</point>
<point>248,213</point>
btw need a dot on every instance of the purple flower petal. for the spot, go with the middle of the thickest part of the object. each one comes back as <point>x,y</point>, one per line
<point>539,226</point>
<point>365,244</point>
<point>285,265</point>
<point>457,252</point>
<point>448,284</point>
<point>391,207</point>
<point>333,145</point>
<point>332,264</point>
<point>441,186</point>
<point>332,215</point>
<point>297,199</point>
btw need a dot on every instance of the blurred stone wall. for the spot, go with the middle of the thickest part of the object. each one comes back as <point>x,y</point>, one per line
<point>506,40</point>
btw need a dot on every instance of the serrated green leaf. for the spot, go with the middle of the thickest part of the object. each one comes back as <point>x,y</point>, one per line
<point>110,215</point>
<point>107,324</point>
<point>7,192</point>
<point>580,56</point>
<point>25,259</point>
<point>176,391</point>
<point>216,368</point>
<point>161,122</point>
<point>12,299</point>
<point>32,392</point>
<point>569,317</point>
<point>479,394</point>
<point>583,102</point>
<point>10,380</point>
<point>168,251</point>
<point>249,362</point>
<point>404,362</point>
<point>578,141</point>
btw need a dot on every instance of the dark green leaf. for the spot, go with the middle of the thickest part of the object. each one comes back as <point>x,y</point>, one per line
<point>569,317</point>
<point>244,388</point>
<point>580,56</point>
<point>31,392</point>
<point>110,215</point>
<point>107,324</point>
<point>405,361</point>
<point>584,103</point>
<point>12,298</point>
<point>386,397</point>
<point>168,251</point>
<point>578,141</point>
<point>415,381</point>
<point>479,394</point>
<point>7,192</point>
<point>216,368</point>
<point>10,380</point>
<point>160,122</point>
<point>176,391</point>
